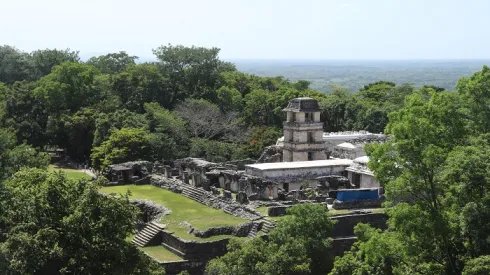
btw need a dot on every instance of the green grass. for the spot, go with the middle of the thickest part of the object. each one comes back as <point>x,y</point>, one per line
<point>262,210</point>
<point>183,209</point>
<point>161,253</point>
<point>70,173</point>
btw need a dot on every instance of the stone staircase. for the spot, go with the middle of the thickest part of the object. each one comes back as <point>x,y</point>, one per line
<point>268,225</point>
<point>149,233</point>
<point>229,209</point>
<point>253,231</point>
<point>193,193</point>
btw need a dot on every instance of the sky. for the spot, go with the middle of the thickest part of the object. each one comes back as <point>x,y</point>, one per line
<point>255,29</point>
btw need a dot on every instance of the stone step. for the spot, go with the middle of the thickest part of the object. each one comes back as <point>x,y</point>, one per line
<point>253,231</point>
<point>144,236</point>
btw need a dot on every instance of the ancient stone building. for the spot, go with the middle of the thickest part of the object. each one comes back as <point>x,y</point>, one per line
<point>303,131</point>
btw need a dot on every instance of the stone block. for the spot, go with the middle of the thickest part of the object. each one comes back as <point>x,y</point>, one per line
<point>275,211</point>
<point>227,194</point>
<point>241,197</point>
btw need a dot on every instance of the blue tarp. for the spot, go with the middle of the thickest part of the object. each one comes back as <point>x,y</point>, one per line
<point>351,195</point>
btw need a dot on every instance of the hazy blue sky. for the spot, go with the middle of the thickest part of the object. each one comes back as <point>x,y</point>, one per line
<point>275,29</point>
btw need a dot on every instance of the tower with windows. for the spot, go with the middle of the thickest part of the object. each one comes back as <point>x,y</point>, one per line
<point>303,131</point>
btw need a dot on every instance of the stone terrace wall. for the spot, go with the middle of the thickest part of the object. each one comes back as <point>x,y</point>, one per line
<point>345,223</point>
<point>190,250</point>
<point>341,245</point>
<point>193,267</point>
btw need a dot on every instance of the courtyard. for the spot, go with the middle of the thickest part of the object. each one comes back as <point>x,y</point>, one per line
<point>183,210</point>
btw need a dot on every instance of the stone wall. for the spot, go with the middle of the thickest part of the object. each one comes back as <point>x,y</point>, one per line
<point>340,246</point>
<point>190,250</point>
<point>274,211</point>
<point>193,267</point>
<point>240,230</point>
<point>357,204</point>
<point>345,223</point>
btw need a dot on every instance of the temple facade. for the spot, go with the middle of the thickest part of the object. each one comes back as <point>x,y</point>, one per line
<point>303,131</point>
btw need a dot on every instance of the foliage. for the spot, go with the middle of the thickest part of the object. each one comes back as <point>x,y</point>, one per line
<point>475,90</point>
<point>192,71</point>
<point>298,245</point>
<point>112,63</point>
<point>14,65</point>
<point>126,144</point>
<point>142,83</point>
<point>15,157</point>
<point>260,138</point>
<point>52,225</point>
<point>215,151</point>
<point>43,61</point>
<point>478,266</point>
<point>435,173</point>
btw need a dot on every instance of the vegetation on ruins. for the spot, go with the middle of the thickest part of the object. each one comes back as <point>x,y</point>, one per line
<point>298,245</point>
<point>434,168</point>
<point>54,225</point>
<point>187,103</point>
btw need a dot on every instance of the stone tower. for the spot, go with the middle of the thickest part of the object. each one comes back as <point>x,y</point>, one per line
<point>303,131</point>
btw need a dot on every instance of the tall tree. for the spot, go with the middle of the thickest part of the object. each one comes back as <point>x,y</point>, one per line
<point>53,225</point>
<point>139,84</point>
<point>69,87</point>
<point>298,245</point>
<point>43,61</point>
<point>476,92</point>
<point>14,65</point>
<point>423,134</point>
<point>112,63</point>
<point>126,144</point>
<point>193,71</point>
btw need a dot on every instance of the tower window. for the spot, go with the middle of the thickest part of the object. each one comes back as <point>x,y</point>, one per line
<point>308,117</point>
<point>310,156</point>
<point>311,137</point>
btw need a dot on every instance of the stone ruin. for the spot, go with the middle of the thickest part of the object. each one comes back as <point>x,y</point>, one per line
<point>271,154</point>
<point>134,172</point>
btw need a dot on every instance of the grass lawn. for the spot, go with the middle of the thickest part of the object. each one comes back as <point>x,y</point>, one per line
<point>70,173</point>
<point>262,210</point>
<point>183,209</point>
<point>161,253</point>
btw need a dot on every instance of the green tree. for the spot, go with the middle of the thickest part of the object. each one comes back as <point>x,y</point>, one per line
<point>43,61</point>
<point>112,63</point>
<point>169,131</point>
<point>140,84</point>
<point>14,65</point>
<point>25,114</point>
<point>53,225</point>
<point>229,99</point>
<point>298,245</point>
<point>261,137</point>
<point>14,157</point>
<point>105,124</point>
<point>423,133</point>
<point>126,144</point>
<point>192,71</point>
<point>69,87</point>
<point>475,90</point>
<point>334,109</point>
<point>478,266</point>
